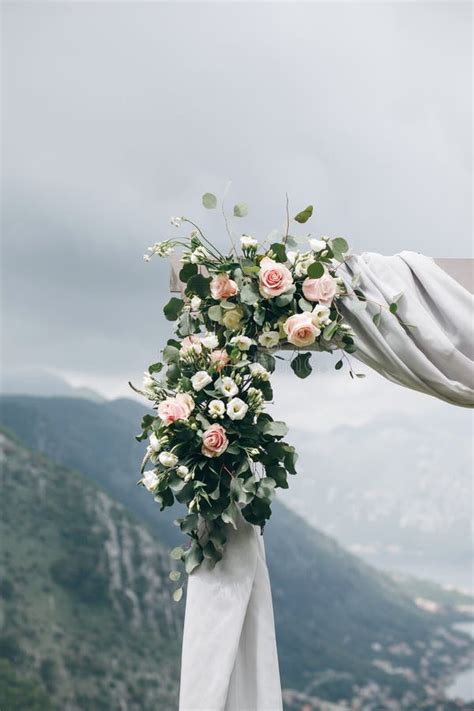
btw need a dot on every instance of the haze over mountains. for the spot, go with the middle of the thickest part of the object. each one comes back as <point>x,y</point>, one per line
<point>343,628</point>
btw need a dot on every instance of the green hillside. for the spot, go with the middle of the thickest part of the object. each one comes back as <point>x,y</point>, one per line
<point>345,631</point>
<point>87,622</point>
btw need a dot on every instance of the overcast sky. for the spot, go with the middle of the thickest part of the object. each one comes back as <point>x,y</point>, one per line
<point>118,115</point>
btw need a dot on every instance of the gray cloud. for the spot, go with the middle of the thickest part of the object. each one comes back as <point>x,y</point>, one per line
<point>118,115</point>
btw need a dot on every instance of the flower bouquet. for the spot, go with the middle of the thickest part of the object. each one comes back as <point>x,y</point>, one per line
<point>211,445</point>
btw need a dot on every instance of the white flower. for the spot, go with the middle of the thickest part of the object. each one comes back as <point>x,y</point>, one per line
<point>182,470</point>
<point>199,255</point>
<point>243,343</point>
<point>237,408</point>
<point>259,372</point>
<point>149,384</point>
<point>317,245</point>
<point>291,256</point>
<point>321,315</point>
<point>149,480</point>
<point>228,387</point>
<point>216,408</point>
<point>210,341</point>
<point>269,339</point>
<point>146,257</point>
<point>200,380</point>
<point>248,242</point>
<point>176,221</point>
<point>155,445</point>
<point>168,459</point>
<point>301,266</point>
<point>195,303</point>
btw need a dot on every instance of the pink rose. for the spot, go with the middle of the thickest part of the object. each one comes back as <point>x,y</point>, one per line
<point>274,278</point>
<point>191,344</point>
<point>301,330</point>
<point>222,287</point>
<point>214,441</point>
<point>175,408</point>
<point>219,359</point>
<point>323,289</point>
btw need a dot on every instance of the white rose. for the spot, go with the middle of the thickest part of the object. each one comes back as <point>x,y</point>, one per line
<point>154,443</point>
<point>237,408</point>
<point>149,480</point>
<point>216,408</point>
<point>210,341</point>
<point>182,470</point>
<point>321,315</point>
<point>317,245</point>
<point>259,372</point>
<point>269,339</point>
<point>228,387</point>
<point>200,380</point>
<point>247,241</point>
<point>195,303</point>
<point>167,459</point>
<point>243,343</point>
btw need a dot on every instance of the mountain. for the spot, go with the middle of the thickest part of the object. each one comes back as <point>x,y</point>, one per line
<point>345,631</point>
<point>87,617</point>
<point>43,383</point>
<point>408,504</point>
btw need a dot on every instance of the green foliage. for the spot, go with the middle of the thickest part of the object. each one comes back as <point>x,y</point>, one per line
<point>304,215</point>
<point>301,366</point>
<point>173,308</point>
<point>315,270</point>
<point>241,209</point>
<point>209,201</point>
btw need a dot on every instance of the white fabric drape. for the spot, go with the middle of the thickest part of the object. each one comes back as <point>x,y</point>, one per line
<point>229,658</point>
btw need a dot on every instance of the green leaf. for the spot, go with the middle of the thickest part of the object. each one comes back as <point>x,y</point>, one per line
<point>339,247</point>
<point>304,305</point>
<point>170,354</point>
<point>231,515</point>
<point>193,557</point>
<point>251,269</point>
<point>238,492</point>
<point>278,473</point>
<point>209,201</point>
<point>187,271</point>
<point>215,313</point>
<point>155,367</point>
<point>286,298</point>
<point>199,285</point>
<point>178,594</point>
<point>266,488</point>
<point>300,365</point>
<point>267,360</point>
<point>249,294</point>
<point>330,330</point>
<point>173,308</point>
<point>175,575</point>
<point>241,209</point>
<point>275,428</point>
<point>315,270</point>
<point>376,318</point>
<point>304,215</point>
<point>279,251</point>
<point>177,553</point>
<point>189,523</point>
<point>393,308</point>
<point>339,364</point>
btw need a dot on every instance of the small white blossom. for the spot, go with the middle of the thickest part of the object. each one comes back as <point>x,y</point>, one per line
<point>291,256</point>
<point>229,387</point>
<point>321,315</point>
<point>149,384</point>
<point>248,242</point>
<point>216,408</point>
<point>237,408</point>
<point>168,459</point>
<point>200,380</point>
<point>146,257</point>
<point>210,341</point>
<point>317,245</point>
<point>302,264</point>
<point>176,221</point>
<point>155,445</point>
<point>182,470</point>
<point>243,343</point>
<point>161,249</point>
<point>150,480</point>
<point>195,303</point>
<point>259,372</point>
<point>199,255</point>
<point>269,339</point>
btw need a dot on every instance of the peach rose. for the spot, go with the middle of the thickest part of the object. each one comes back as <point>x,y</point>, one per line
<point>222,287</point>
<point>219,359</point>
<point>214,441</point>
<point>300,329</point>
<point>190,344</point>
<point>323,289</point>
<point>274,278</point>
<point>175,408</point>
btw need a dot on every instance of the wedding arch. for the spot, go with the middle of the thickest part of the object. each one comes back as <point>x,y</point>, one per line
<point>212,446</point>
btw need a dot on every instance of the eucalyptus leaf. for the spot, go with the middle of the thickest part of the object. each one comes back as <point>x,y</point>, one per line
<point>173,308</point>
<point>155,367</point>
<point>231,515</point>
<point>174,576</point>
<point>330,330</point>
<point>193,557</point>
<point>339,364</point>
<point>275,428</point>
<point>241,209</point>
<point>215,313</point>
<point>300,365</point>
<point>187,270</point>
<point>170,354</point>
<point>393,308</point>
<point>178,594</point>
<point>286,298</point>
<point>339,247</point>
<point>377,319</point>
<point>304,215</point>
<point>209,201</point>
<point>198,284</point>
<point>249,294</point>
<point>279,251</point>
<point>177,553</point>
<point>316,270</point>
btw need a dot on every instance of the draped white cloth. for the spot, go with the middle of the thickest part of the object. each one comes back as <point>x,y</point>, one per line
<point>229,657</point>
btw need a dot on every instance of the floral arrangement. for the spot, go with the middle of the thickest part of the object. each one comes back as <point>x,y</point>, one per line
<point>211,445</point>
